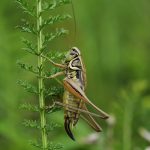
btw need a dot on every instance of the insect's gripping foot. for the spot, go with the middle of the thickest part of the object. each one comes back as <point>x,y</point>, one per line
<point>67,125</point>
<point>106,116</point>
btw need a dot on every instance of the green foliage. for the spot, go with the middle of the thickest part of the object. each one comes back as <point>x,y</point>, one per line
<point>53,91</point>
<point>131,97</point>
<point>39,49</point>
<point>51,146</point>
<point>26,8</point>
<point>30,48</point>
<point>27,27</point>
<point>50,36</point>
<point>34,124</point>
<point>113,37</point>
<point>53,5</point>
<point>54,19</point>
<point>31,123</point>
<point>56,55</point>
<point>28,87</point>
<point>29,107</point>
<point>28,67</point>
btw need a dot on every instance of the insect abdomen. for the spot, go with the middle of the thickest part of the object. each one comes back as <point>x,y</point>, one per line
<point>73,102</point>
<point>71,116</point>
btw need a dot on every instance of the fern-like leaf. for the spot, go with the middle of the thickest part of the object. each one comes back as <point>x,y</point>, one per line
<point>28,87</point>
<point>27,27</point>
<point>51,145</point>
<point>54,4</point>
<point>56,55</point>
<point>53,19</point>
<point>29,46</point>
<point>36,144</point>
<point>50,36</point>
<point>53,91</point>
<point>50,127</point>
<point>29,107</point>
<point>28,67</point>
<point>25,7</point>
<point>31,124</point>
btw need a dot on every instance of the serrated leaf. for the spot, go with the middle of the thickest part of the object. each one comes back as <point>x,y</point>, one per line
<point>34,124</point>
<point>50,36</point>
<point>36,144</point>
<point>53,19</point>
<point>28,87</point>
<point>53,91</point>
<point>25,7</point>
<point>49,6</point>
<point>28,106</point>
<point>50,145</point>
<point>52,126</point>
<point>56,55</point>
<point>31,123</point>
<point>55,4</point>
<point>27,27</point>
<point>28,67</point>
<point>29,46</point>
<point>62,2</point>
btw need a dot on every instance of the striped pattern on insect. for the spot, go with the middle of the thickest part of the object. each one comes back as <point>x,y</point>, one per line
<point>74,98</point>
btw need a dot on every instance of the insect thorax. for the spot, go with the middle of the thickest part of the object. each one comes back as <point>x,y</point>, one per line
<point>74,71</point>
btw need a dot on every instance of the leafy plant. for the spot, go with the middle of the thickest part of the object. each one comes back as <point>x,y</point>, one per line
<point>129,111</point>
<point>36,25</point>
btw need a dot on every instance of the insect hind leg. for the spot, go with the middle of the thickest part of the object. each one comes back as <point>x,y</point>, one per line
<point>73,109</point>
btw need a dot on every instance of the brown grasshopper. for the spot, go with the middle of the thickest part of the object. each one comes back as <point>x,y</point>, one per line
<point>74,98</point>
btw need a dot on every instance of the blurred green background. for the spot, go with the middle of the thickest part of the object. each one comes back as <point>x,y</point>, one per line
<point>114,38</point>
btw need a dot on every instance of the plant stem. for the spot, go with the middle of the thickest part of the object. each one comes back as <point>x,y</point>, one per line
<point>40,79</point>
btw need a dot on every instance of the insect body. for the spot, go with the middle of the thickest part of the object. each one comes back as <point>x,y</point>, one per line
<point>74,71</point>
<point>74,99</point>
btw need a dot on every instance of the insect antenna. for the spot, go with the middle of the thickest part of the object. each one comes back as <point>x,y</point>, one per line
<point>75,23</point>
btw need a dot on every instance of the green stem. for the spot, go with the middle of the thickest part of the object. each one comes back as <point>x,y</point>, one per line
<point>40,79</point>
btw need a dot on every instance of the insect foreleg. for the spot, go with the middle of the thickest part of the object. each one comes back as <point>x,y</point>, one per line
<point>56,75</point>
<point>55,64</point>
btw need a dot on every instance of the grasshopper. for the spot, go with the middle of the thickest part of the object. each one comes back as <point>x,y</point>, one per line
<point>74,97</point>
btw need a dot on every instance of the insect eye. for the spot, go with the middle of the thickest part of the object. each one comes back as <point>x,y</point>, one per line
<point>74,53</point>
<point>74,50</point>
